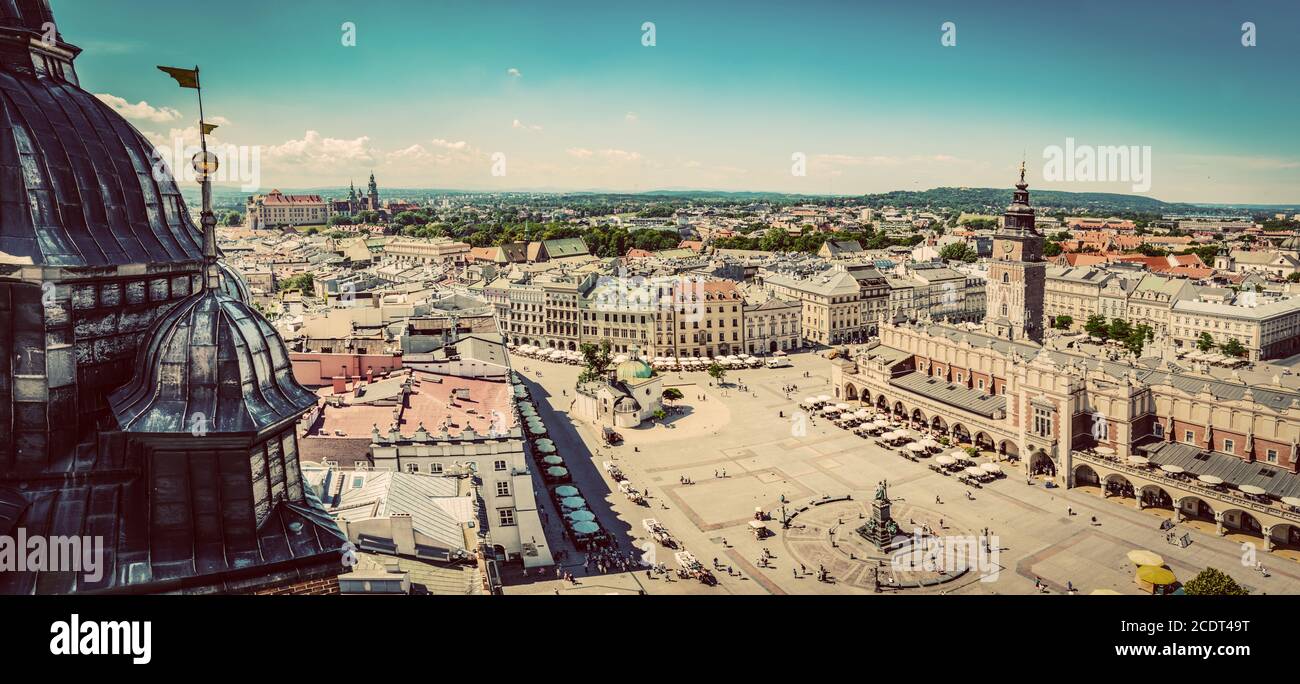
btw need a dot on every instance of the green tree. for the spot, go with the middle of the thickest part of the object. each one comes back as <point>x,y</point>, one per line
<point>1205,342</point>
<point>303,283</point>
<point>1213,582</point>
<point>1233,348</point>
<point>233,218</point>
<point>1051,249</point>
<point>1119,329</point>
<point>1294,277</point>
<point>340,220</point>
<point>717,372</point>
<point>1137,339</point>
<point>1064,322</point>
<point>958,251</point>
<point>672,394</point>
<point>596,360</point>
<point>1096,326</point>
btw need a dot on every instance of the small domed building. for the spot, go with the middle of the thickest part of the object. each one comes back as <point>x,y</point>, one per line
<point>628,396</point>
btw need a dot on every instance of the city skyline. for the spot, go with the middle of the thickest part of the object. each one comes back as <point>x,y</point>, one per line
<point>721,101</point>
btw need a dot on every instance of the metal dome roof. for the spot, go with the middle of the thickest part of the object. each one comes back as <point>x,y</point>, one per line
<point>233,283</point>
<point>25,14</point>
<point>633,369</point>
<point>211,363</point>
<point>77,186</point>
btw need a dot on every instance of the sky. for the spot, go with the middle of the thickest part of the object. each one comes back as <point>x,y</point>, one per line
<point>861,97</point>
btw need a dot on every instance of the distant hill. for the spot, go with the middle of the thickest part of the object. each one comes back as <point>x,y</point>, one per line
<point>969,200</point>
<point>993,200</point>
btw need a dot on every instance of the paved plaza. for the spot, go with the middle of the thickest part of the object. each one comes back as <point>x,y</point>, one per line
<point>740,453</point>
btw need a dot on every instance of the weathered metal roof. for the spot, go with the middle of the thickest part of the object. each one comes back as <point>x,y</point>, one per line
<point>233,284</point>
<point>77,182</point>
<point>26,14</point>
<point>295,539</point>
<point>210,363</point>
<point>958,396</point>
<point>1232,469</point>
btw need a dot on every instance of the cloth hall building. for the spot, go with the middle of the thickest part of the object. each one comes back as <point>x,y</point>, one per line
<point>1152,432</point>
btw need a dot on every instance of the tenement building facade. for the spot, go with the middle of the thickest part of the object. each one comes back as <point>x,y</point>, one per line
<point>1209,447</point>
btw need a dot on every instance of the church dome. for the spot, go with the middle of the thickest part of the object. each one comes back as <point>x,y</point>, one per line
<point>233,283</point>
<point>211,363</point>
<point>633,369</point>
<point>77,182</point>
<point>1292,242</point>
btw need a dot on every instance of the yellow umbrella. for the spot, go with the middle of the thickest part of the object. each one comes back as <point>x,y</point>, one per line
<point>1144,557</point>
<point>1155,575</point>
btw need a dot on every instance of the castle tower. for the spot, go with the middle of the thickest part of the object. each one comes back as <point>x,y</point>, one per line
<point>1017,273</point>
<point>373,193</point>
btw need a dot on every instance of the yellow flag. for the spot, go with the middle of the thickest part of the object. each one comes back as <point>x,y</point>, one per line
<point>187,78</point>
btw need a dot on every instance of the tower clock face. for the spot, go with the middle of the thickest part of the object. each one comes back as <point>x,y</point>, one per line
<point>1007,247</point>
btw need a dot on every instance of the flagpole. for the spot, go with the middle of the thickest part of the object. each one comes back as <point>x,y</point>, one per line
<point>212,275</point>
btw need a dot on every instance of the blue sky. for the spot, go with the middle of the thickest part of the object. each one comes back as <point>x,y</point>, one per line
<point>731,90</point>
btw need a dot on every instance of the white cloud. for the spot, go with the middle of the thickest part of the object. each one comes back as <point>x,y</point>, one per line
<point>141,110</point>
<point>413,153</point>
<point>579,152</point>
<point>620,155</point>
<point>321,152</point>
<point>449,145</point>
<point>630,117</point>
<point>514,72</point>
<point>519,124</point>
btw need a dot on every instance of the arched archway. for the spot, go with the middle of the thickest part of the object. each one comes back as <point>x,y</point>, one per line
<point>1239,522</point>
<point>938,423</point>
<point>1118,485</point>
<point>882,403</point>
<point>918,417</point>
<point>1285,537</point>
<point>572,346</point>
<point>850,392</point>
<point>900,411</point>
<point>960,434</point>
<point>1009,449</point>
<point>1085,476</point>
<point>983,441</point>
<point>771,347</point>
<point>1195,508</point>
<point>1042,464</point>
<point>865,397</point>
<point>1154,496</point>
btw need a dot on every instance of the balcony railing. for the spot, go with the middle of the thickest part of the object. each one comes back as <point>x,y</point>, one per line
<point>1190,485</point>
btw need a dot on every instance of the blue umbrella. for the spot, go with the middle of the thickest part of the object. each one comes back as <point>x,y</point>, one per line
<point>585,527</point>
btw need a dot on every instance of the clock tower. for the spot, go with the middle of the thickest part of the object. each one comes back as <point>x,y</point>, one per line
<point>1017,273</point>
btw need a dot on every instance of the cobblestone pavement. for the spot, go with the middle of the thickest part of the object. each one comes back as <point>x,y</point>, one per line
<point>741,453</point>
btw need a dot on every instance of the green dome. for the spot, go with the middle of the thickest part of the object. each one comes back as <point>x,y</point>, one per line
<point>633,369</point>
